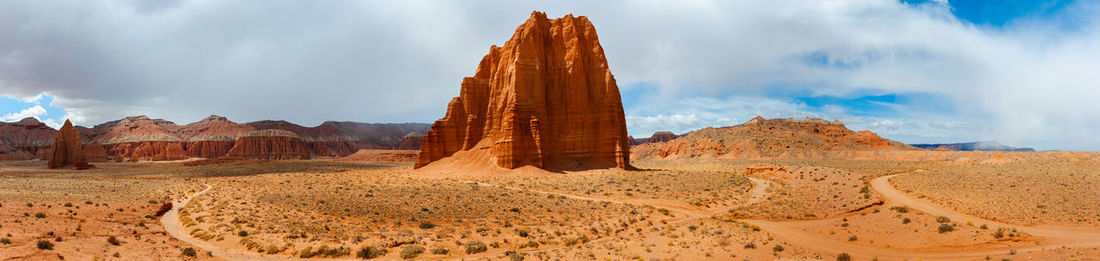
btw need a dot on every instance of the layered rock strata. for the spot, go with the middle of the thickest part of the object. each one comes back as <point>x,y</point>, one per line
<point>546,98</point>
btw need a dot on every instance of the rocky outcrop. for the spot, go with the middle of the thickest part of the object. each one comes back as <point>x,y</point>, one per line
<point>142,138</point>
<point>411,141</point>
<point>172,151</point>
<point>764,138</point>
<point>25,139</point>
<point>67,149</point>
<point>211,137</point>
<point>546,98</point>
<point>661,136</point>
<point>138,138</point>
<point>270,145</point>
<point>95,152</point>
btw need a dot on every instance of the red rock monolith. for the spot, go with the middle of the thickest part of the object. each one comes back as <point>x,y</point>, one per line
<point>546,98</point>
<point>67,150</point>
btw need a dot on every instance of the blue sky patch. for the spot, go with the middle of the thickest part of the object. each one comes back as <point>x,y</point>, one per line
<point>40,107</point>
<point>999,13</point>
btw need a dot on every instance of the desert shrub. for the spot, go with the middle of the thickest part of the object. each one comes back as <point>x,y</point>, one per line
<point>532,244</point>
<point>900,209</point>
<point>189,252</point>
<point>905,221</point>
<point>242,233</point>
<point>113,240</point>
<point>1000,233</point>
<point>778,248</point>
<point>45,245</point>
<point>440,251</point>
<point>307,252</point>
<point>843,257</point>
<point>944,228</point>
<point>474,247</point>
<point>570,241</point>
<point>68,205</point>
<point>370,252</point>
<point>942,219</point>
<point>324,251</point>
<point>426,225</point>
<point>411,251</point>
<point>664,211</point>
<point>852,238</point>
<point>515,256</point>
<point>40,215</point>
<point>58,239</point>
<point>5,241</point>
<point>750,245</point>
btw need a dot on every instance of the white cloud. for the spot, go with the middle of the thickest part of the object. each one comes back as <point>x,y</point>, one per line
<point>1031,83</point>
<point>32,112</point>
<point>52,123</point>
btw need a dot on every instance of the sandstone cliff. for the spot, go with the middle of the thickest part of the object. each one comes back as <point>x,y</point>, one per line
<point>411,141</point>
<point>763,138</point>
<point>67,150</point>
<point>661,136</point>
<point>25,139</point>
<point>95,152</point>
<point>270,145</point>
<point>546,98</point>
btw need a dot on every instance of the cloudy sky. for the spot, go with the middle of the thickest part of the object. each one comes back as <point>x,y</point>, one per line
<point>1025,73</point>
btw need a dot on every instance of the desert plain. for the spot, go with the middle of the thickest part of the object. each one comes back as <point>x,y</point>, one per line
<point>921,205</point>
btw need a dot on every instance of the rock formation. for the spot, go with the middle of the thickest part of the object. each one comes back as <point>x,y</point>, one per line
<point>546,98</point>
<point>142,138</point>
<point>661,136</point>
<point>67,150</point>
<point>411,141</point>
<point>211,137</point>
<point>270,145</point>
<point>763,138</point>
<point>25,139</point>
<point>138,137</point>
<point>95,152</point>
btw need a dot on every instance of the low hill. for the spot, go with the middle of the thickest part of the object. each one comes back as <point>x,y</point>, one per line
<point>768,138</point>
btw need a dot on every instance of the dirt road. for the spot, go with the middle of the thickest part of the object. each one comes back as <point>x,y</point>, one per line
<point>1055,237</point>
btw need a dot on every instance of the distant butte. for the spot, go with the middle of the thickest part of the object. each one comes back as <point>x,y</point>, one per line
<point>545,99</point>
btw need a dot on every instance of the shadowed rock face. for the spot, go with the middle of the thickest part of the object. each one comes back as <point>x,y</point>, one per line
<point>67,150</point>
<point>95,152</point>
<point>546,98</point>
<point>661,136</point>
<point>411,141</point>
<point>25,139</point>
<point>270,145</point>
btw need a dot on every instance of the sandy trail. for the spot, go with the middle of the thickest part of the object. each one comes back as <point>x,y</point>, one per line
<point>1056,237</point>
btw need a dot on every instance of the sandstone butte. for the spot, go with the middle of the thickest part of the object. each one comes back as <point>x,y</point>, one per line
<point>546,98</point>
<point>661,136</point>
<point>67,149</point>
<point>270,145</point>
<point>25,139</point>
<point>411,141</point>
<point>212,137</point>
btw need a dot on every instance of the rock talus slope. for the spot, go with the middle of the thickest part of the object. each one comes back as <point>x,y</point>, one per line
<point>546,98</point>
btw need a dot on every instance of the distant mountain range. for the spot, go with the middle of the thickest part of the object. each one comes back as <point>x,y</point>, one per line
<point>207,138</point>
<point>971,146</point>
